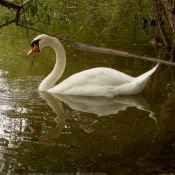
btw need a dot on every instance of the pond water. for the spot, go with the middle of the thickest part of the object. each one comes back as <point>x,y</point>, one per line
<point>41,134</point>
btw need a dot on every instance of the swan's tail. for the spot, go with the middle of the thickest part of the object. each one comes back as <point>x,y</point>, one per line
<point>142,80</point>
<point>136,86</point>
<point>148,74</point>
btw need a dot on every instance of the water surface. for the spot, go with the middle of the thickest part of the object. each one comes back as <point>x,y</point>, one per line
<point>40,133</point>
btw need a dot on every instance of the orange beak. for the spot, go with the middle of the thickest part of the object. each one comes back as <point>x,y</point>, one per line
<point>34,49</point>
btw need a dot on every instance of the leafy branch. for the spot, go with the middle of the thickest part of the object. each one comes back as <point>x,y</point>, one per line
<point>19,10</point>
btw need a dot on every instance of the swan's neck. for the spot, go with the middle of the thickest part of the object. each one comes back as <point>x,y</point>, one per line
<point>58,69</point>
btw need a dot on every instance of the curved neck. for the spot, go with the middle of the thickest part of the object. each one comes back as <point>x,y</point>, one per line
<point>58,69</point>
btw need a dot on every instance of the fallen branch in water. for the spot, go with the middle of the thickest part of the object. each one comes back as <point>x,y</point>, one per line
<point>84,46</point>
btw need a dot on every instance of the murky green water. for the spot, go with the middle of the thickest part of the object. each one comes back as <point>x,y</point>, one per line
<point>124,135</point>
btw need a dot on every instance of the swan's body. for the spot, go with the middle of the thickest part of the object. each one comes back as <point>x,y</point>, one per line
<point>93,82</point>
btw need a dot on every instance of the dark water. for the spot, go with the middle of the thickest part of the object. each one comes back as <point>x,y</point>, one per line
<point>77,135</point>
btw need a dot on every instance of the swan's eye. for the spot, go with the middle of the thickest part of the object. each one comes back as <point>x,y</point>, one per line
<point>35,42</point>
<point>35,47</point>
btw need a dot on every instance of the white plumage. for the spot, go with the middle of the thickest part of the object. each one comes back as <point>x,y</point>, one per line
<point>93,82</point>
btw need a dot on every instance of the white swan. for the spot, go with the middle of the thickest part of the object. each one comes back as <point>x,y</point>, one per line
<point>93,82</point>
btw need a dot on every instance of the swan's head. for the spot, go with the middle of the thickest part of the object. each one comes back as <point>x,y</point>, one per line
<point>39,42</point>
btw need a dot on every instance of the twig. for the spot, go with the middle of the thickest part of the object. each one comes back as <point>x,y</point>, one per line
<point>25,22</point>
<point>32,63</point>
<point>7,23</point>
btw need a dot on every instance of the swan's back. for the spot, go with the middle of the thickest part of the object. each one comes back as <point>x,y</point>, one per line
<point>102,82</point>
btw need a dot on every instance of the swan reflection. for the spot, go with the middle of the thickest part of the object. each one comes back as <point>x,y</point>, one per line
<point>56,106</point>
<point>100,106</point>
<point>103,106</point>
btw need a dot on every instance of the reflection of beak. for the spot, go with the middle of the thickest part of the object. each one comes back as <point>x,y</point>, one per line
<point>34,49</point>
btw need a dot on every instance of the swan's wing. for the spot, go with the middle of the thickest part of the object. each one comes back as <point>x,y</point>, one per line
<point>93,82</point>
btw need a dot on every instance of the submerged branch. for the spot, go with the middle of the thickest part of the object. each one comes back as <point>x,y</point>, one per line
<point>84,46</point>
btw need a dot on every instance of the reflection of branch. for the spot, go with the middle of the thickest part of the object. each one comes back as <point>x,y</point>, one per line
<point>18,9</point>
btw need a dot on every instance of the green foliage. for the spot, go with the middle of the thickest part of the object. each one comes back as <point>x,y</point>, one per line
<point>78,18</point>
